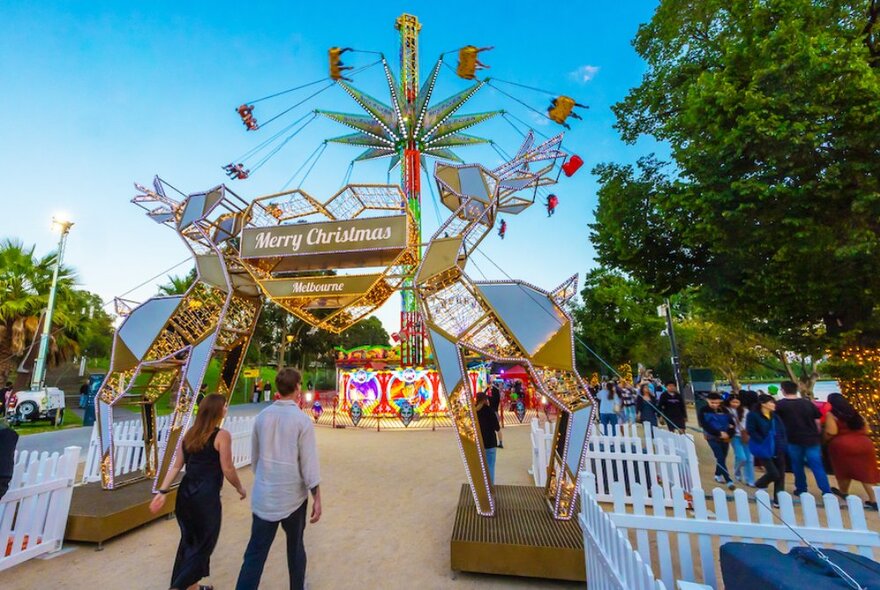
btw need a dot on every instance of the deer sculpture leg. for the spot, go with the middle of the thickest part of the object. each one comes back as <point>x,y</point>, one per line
<point>517,323</point>
<point>503,321</point>
<point>165,344</point>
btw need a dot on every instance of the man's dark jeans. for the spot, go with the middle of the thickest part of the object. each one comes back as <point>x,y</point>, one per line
<point>262,535</point>
<point>719,449</point>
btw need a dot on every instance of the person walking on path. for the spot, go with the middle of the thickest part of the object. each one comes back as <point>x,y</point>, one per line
<point>206,450</point>
<point>850,449</point>
<point>748,398</point>
<point>285,463</point>
<point>489,425</point>
<point>804,432</point>
<point>608,405</point>
<point>673,407</point>
<point>8,440</point>
<point>646,406</point>
<point>267,390</point>
<point>495,404</point>
<point>743,464</point>
<point>768,442</point>
<point>628,397</point>
<point>4,398</point>
<point>718,428</point>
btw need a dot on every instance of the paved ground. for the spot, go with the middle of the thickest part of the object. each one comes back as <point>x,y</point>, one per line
<point>389,500</point>
<point>57,441</point>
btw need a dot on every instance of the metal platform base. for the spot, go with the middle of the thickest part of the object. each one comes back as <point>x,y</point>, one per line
<point>97,515</point>
<point>521,540</point>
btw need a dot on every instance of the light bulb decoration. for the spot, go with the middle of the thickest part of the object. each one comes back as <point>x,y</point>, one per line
<point>859,380</point>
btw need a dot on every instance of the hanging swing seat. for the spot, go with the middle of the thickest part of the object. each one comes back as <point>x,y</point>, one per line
<point>246,112</point>
<point>573,165</point>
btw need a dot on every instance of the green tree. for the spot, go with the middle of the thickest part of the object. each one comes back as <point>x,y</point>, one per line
<point>770,206</point>
<point>79,324</point>
<point>178,285</point>
<point>617,318</point>
<point>730,351</point>
<point>366,332</point>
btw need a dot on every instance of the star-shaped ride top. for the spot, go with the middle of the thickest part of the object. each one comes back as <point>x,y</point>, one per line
<point>386,131</point>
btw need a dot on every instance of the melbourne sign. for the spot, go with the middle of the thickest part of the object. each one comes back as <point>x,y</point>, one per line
<point>372,241</point>
<point>332,290</point>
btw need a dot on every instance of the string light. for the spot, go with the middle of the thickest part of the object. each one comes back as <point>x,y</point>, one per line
<point>862,387</point>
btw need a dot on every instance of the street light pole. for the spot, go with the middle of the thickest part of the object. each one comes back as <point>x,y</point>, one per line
<point>38,377</point>
<point>666,310</point>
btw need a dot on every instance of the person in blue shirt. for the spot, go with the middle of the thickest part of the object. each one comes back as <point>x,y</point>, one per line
<point>718,428</point>
<point>608,406</point>
<point>768,441</point>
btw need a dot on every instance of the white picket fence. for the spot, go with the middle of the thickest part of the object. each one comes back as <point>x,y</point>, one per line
<point>241,428</point>
<point>684,545</point>
<point>610,560</point>
<point>128,438</point>
<point>626,453</point>
<point>647,455</point>
<point>542,441</point>
<point>33,513</point>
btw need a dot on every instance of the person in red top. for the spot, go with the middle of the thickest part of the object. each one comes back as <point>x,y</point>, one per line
<point>850,449</point>
<point>552,201</point>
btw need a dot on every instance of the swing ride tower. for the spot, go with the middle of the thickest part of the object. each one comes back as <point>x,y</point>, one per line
<point>412,335</point>
<point>409,130</point>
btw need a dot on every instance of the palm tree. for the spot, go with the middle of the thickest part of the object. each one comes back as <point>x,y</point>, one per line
<point>178,285</point>
<point>25,281</point>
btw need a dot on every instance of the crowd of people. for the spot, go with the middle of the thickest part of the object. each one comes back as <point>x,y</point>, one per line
<point>620,402</point>
<point>775,435</point>
<point>768,436</point>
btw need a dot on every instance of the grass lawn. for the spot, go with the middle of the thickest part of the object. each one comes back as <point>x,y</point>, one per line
<point>71,420</point>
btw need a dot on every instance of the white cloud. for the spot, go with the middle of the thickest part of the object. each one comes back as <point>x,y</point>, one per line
<point>538,120</point>
<point>584,74</point>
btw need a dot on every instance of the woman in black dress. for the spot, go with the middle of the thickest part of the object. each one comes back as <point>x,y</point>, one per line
<point>206,450</point>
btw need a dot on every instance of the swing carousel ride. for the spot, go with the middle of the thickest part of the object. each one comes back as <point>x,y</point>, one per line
<point>332,261</point>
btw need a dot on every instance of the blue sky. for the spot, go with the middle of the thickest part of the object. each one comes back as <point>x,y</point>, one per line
<point>98,95</point>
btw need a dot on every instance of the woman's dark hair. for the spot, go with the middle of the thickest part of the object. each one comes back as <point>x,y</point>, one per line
<point>643,387</point>
<point>843,411</point>
<point>741,410</point>
<point>612,389</point>
<point>209,417</point>
<point>764,398</point>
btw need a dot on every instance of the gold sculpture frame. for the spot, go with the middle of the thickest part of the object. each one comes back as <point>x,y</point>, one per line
<point>165,344</point>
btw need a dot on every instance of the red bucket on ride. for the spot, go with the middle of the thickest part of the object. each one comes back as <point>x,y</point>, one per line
<point>572,166</point>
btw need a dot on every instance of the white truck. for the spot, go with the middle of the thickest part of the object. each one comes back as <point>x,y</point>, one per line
<point>29,406</point>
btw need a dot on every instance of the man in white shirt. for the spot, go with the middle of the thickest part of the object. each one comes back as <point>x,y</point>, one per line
<point>285,464</point>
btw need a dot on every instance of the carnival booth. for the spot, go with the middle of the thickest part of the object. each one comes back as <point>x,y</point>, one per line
<point>516,385</point>
<point>371,382</point>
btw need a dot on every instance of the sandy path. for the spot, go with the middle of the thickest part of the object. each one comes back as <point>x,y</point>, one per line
<point>389,500</point>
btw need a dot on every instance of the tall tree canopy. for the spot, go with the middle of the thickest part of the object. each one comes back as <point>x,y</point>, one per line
<point>79,324</point>
<point>617,318</point>
<point>770,206</point>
